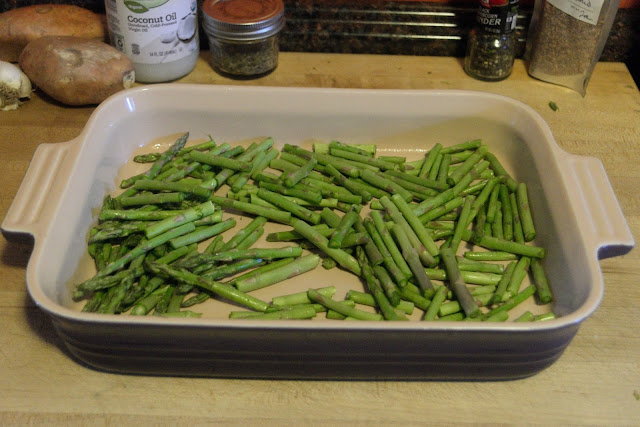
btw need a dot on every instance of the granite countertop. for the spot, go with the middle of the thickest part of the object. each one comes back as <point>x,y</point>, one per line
<point>398,27</point>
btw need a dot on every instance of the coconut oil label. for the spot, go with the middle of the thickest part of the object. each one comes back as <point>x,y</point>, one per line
<point>584,10</point>
<point>153,31</point>
<point>497,16</point>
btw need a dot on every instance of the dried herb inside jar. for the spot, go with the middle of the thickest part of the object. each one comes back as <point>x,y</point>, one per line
<point>492,41</point>
<point>243,35</point>
<point>245,58</point>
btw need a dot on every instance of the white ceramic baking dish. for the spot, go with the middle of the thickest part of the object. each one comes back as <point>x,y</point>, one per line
<point>578,219</point>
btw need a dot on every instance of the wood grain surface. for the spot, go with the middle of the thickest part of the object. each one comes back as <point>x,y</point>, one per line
<point>596,381</point>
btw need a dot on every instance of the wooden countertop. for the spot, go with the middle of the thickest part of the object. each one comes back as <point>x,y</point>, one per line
<point>596,381</point>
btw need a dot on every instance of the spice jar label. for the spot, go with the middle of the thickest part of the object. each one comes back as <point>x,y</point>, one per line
<point>498,16</point>
<point>584,10</point>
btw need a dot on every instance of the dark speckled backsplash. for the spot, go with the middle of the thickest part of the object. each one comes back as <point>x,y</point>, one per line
<point>396,27</point>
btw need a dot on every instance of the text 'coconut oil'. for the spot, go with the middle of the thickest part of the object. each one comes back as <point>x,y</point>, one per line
<point>159,36</point>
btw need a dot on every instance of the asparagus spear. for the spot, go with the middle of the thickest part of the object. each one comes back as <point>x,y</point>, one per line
<point>179,187</point>
<point>272,214</point>
<point>526,219</point>
<point>152,199</point>
<point>415,224</point>
<point>343,228</point>
<point>301,265</point>
<point>380,181</point>
<point>149,302</point>
<point>540,280</point>
<point>430,159</point>
<point>298,312</point>
<point>347,154</point>
<point>349,184</point>
<point>292,178</point>
<point>443,170</point>
<point>301,297</point>
<point>390,244</point>
<point>410,254</point>
<point>492,203</point>
<point>436,302</point>
<point>494,243</point>
<point>220,289</point>
<point>364,149</point>
<point>220,161</point>
<point>387,309</point>
<point>307,194</point>
<point>202,233</point>
<point>341,308</point>
<point>287,205</point>
<point>463,146</point>
<point>507,213</point>
<point>158,164</point>
<point>467,165</point>
<point>499,170</point>
<point>490,256</point>
<point>413,241</point>
<point>226,270</point>
<point>387,258</point>
<point>321,242</point>
<point>457,283</point>
<point>262,269</point>
<point>518,275</point>
<point>267,253</point>
<point>513,301</point>
<point>180,218</point>
<point>462,223</point>
<point>435,167</point>
<point>365,298</point>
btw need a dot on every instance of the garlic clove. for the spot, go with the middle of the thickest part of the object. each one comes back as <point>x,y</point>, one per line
<point>14,86</point>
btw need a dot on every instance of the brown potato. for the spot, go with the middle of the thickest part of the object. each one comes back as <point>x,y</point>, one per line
<point>76,71</point>
<point>20,26</point>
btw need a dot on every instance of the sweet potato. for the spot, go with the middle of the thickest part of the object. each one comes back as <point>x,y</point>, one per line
<point>76,71</point>
<point>20,26</point>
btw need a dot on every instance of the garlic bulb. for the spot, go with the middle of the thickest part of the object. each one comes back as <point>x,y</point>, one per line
<point>14,86</point>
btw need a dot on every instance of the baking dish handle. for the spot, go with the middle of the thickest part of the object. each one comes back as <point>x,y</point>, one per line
<point>29,211</point>
<point>599,209</point>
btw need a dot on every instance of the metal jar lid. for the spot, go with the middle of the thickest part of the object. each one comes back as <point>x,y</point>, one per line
<point>243,19</point>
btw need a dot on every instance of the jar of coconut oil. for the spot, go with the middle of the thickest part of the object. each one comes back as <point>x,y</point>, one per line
<point>243,35</point>
<point>159,36</point>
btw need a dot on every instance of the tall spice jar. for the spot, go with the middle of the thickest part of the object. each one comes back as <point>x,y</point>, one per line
<point>566,39</point>
<point>492,40</point>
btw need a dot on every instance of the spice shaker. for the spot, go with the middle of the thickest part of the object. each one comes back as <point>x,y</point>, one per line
<point>492,40</point>
<point>243,35</point>
<point>160,37</point>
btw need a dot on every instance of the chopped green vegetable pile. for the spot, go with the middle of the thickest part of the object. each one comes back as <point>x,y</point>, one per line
<point>450,234</point>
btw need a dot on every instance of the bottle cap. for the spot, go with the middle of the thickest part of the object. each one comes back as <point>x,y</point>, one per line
<point>243,19</point>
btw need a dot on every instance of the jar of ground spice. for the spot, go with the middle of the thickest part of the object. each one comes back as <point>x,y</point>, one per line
<point>492,40</point>
<point>566,39</point>
<point>243,35</point>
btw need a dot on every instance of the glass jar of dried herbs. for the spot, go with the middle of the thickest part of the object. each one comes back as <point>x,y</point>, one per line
<point>243,35</point>
<point>492,40</point>
<point>566,39</point>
